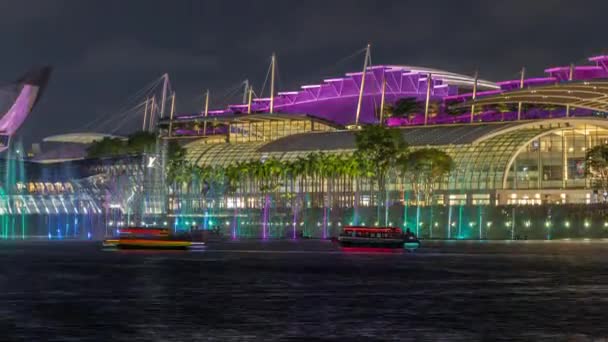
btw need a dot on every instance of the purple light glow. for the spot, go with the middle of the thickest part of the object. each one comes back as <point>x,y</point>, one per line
<point>535,81</point>
<point>19,111</point>
<point>601,58</point>
<point>336,98</point>
<point>265,218</point>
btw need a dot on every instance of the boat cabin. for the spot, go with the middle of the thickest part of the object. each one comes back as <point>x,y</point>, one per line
<point>372,232</point>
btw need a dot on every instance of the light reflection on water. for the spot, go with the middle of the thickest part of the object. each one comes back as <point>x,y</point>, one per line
<point>461,290</point>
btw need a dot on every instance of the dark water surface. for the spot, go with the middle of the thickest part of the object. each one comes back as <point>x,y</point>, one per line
<point>307,290</point>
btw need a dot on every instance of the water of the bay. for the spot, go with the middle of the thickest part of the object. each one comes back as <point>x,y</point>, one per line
<point>304,290</point>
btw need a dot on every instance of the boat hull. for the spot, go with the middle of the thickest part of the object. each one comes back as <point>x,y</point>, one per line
<point>147,244</point>
<point>370,243</point>
<point>411,245</point>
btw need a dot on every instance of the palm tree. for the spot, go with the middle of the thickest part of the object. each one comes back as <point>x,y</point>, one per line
<point>434,108</point>
<point>313,167</point>
<point>299,172</point>
<point>596,167</point>
<point>235,174</point>
<point>180,173</point>
<point>549,107</point>
<point>354,171</point>
<point>452,108</point>
<point>407,107</point>
<point>380,148</point>
<point>425,168</point>
<point>504,108</point>
<point>384,113</point>
<point>205,185</point>
<point>332,171</point>
<point>296,171</point>
<point>268,175</point>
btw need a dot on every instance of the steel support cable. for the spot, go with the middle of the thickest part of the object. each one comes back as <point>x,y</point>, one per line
<point>339,62</point>
<point>122,116</point>
<point>146,90</point>
<point>265,80</point>
<point>230,92</point>
<point>279,82</point>
<point>112,119</point>
<point>133,115</point>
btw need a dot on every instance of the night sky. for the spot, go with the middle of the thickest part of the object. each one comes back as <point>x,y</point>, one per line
<point>104,51</point>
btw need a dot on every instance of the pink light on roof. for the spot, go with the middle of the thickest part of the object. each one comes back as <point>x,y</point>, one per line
<point>216,111</point>
<point>528,80</point>
<point>469,95</point>
<point>376,67</point>
<point>598,58</point>
<point>567,68</point>
<point>19,111</point>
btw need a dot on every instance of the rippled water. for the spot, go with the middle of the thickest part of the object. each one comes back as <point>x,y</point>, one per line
<point>305,290</point>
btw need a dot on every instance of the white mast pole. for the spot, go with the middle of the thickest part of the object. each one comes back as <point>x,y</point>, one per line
<point>570,78</point>
<point>272,64</point>
<point>367,57</point>
<point>245,90</point>
<point>429,85</point>
<point>171,115</point>
<point>206,112</point>
<point>207,103</point>
<point>382,98</point>
<point>474,95</point>
<point>249,99</point>
<point>143,125</point>
<point>521,86</point>
<point>164,98</point>
<point>152,114</point>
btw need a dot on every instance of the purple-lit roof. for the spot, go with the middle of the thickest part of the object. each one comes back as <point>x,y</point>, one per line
<point>555,74</point>
<point>31,87</point>
<point>336,98</point>
<point>590,94</point>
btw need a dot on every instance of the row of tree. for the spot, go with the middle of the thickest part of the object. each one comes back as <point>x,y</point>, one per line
<point>409,107</point>
<point>596,167</point>
<point>325,179</point>
<point>135,144</point>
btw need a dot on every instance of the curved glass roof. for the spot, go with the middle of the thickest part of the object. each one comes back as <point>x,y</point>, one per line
<point>482,153</point>
<point>414,136</point>
<point>591,94</point>
<point>79,138</point>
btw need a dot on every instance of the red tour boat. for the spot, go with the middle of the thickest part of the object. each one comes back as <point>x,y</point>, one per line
<point>147,238</point>
<point>377,237</point>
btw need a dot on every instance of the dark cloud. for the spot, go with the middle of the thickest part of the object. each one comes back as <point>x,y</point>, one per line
<point>104,51</point>
<point>129,55</point>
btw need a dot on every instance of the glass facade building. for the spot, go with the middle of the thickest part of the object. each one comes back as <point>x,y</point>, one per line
<point>517,141</point>
<point>524,162</point>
